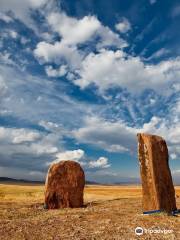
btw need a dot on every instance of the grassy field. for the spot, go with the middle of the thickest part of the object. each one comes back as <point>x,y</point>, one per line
<point>111,212</point>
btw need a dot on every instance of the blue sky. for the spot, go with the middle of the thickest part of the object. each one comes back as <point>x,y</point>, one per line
<point>79,80</point>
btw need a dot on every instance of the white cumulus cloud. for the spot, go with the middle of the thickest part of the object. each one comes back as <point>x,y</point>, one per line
<point>123,26</point>
<point>19,135</point>
<point>21,9</point>
<point>116,69</point>
<point>70,155</point>
<point>80,156</point>
<point>72,30</point>
<point>61,71</point>
<point>101,162</point>
<point>119,137</point>
<point>75,31</point>
<point>57,52</point>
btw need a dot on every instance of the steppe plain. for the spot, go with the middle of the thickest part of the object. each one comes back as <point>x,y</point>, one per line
<point>110,212</point>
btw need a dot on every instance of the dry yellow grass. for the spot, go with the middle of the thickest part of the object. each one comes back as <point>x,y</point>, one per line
<point>112,212</point>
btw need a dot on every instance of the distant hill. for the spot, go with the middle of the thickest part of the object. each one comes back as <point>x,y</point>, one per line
<point>127,183</point>
<point>12,180</point>
<point>92,183</point>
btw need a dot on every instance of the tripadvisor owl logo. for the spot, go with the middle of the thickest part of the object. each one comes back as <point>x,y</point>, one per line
<point>153,230</point>
<point>139,231</point>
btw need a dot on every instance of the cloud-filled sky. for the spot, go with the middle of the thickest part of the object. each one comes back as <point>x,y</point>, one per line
<point>79,80</point>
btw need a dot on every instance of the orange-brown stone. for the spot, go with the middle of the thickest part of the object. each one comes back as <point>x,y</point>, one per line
<point>157,185</point>
<point>64,185</point>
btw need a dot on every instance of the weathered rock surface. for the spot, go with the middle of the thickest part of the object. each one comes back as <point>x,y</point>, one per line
<point>157,185</point>
<point>64,185</point>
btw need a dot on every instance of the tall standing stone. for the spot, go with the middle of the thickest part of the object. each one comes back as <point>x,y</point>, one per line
<point>157,186</point>
<point>64,185</point>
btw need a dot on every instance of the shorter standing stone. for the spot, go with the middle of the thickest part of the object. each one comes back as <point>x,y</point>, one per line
<point>157,185</point>
<point>64,185</point>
